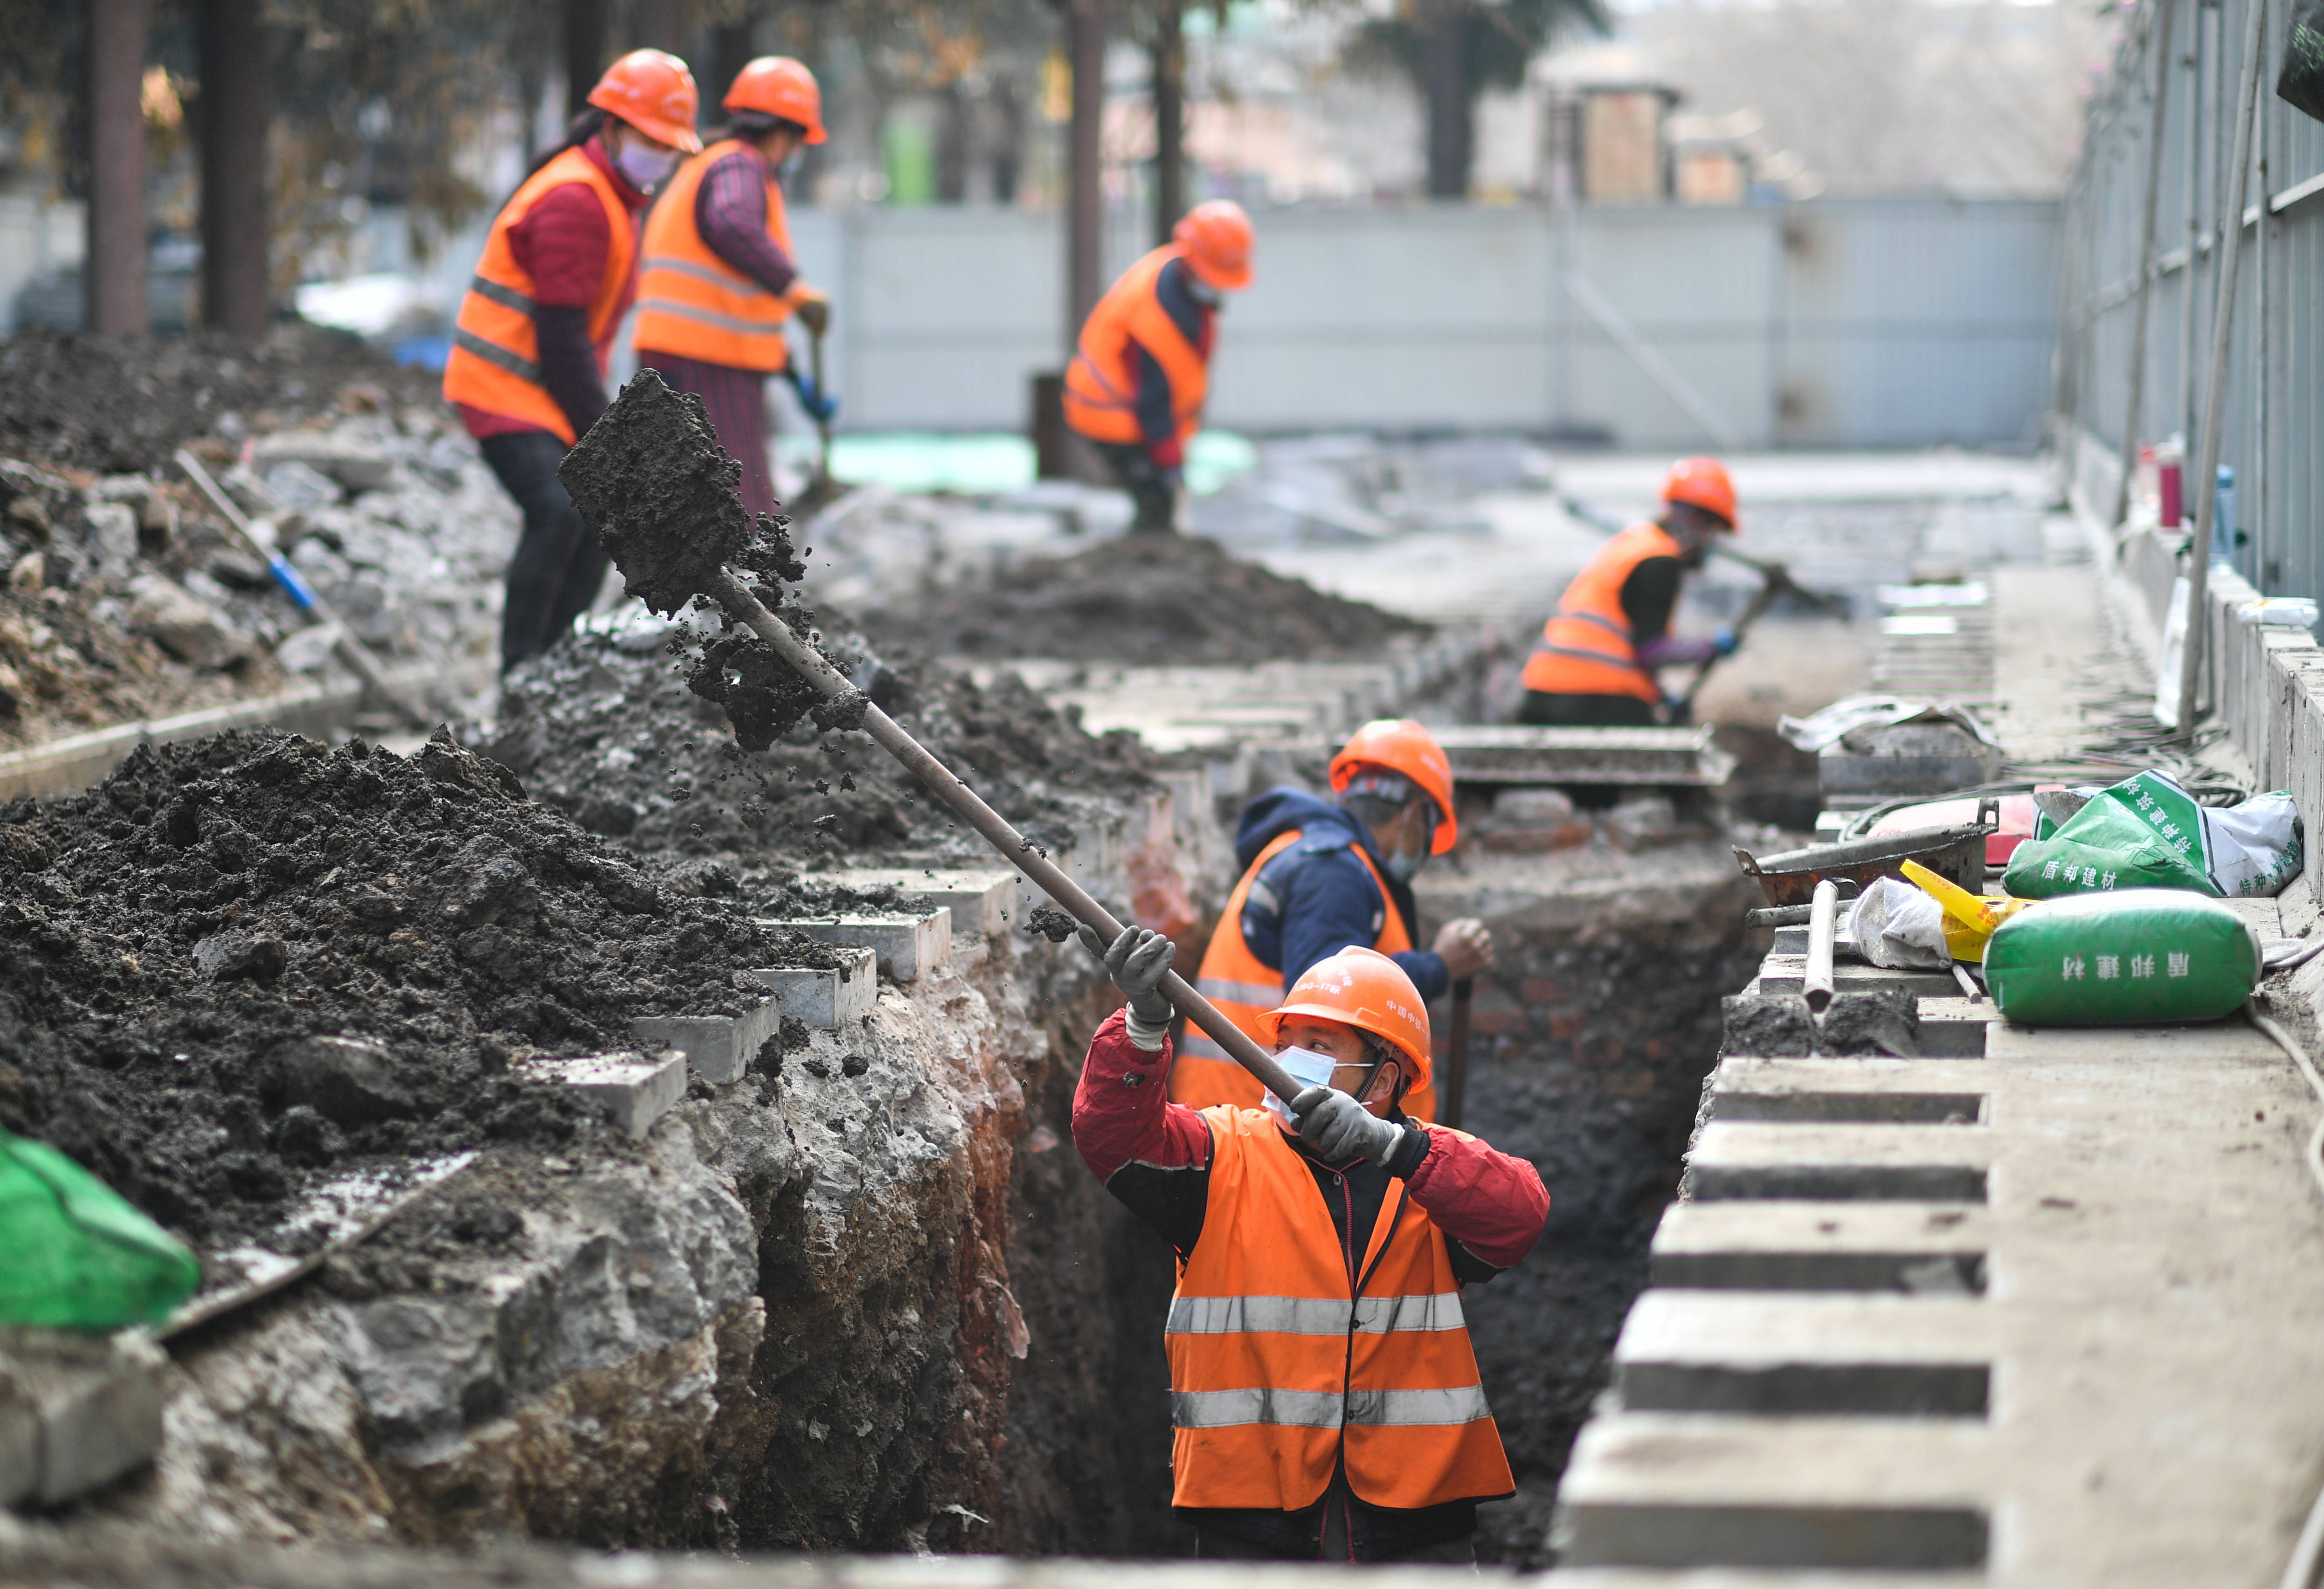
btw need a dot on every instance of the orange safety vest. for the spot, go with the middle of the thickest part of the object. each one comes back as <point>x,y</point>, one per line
<point>495,362</point>
<point>1587,648</point>
<point>1102,387</point>
<point>693,303</point>
<point>1247,987</point>
<point>1280,1370</point>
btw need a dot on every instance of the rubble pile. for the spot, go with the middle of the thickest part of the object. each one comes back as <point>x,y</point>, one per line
<point>182,947</point>
<point>1144,600</point>
<point>127,596</point>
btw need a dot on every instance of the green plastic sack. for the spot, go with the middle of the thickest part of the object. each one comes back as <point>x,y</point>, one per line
<point>74,1254</point>
<point>2137,955</point>
<point>2147,832</point>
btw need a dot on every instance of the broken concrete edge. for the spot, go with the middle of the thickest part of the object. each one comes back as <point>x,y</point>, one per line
<point>62,766</point>
<point>76,1411</point>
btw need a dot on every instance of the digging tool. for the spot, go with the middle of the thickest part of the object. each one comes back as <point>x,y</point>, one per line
<point>1682,710</point>
<point>810,665</point>
<point>1823,923</point>
<point>350,650</point>
<point>1456,1053</point>
<point>1768,569</point>
<point>823,488</point>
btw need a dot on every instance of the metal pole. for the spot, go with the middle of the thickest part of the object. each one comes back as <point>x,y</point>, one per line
<point>2162,36</point>
<point>2194,61</point>
<point>2262,338</point>
<point>2223,313</point>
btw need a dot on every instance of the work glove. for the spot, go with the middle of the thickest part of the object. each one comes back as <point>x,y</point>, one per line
<point>1138,962</point>
<point>821,406</point>
<point>813,308</point>
<point>1725,642</point>
<point>1338,1129</point>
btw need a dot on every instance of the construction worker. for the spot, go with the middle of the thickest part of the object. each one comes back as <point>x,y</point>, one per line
<point>1596,660</point>
<point>1320,876</point>
<point>1324,1397</point>
<point>536,328</point>
<point>720,277</point>
<point>1137,382</point>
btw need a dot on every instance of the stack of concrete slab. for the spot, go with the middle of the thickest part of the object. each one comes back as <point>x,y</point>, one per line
<point>2046,1311</point>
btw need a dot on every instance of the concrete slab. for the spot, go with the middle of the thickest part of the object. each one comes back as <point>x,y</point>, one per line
<point>720,1047</point>
<point>825,1001</point>
<point>1800,1246</point>
<point>1675,1490</point>
<point>907,946</point>
<point>1782,974</point>
<point>1508,753</point>
<point>1867,1089</point>
<point>979,899</point>
<point>76,1411</point>
<point>632,1090</point>
<point>1839,1163</point>
<point>2232,1039</point>
<point>1804,1353</point>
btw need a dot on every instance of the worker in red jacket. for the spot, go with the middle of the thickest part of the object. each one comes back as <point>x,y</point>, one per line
<point>720,276</point>
<point>1141,374</point>
<point>528,356</point>
<point>1595,661</point>
<point>1325,1400</point>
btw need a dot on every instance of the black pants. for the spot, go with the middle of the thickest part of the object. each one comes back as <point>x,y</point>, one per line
<point>558,565</point>
<point>1156,502</point>
<point>1584,711</point>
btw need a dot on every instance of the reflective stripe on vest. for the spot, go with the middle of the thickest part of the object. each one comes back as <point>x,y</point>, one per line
<point>1314,1316</point>
<point>693,303</point>
<point>1102,384</point>
<point>1246,987</point>
<point>1587,648</point>
<point>1281,1371</point>
<point>495,359</point>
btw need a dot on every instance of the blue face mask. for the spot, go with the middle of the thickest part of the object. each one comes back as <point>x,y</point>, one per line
<point>1402,867</point>
<point>1308,1068</point>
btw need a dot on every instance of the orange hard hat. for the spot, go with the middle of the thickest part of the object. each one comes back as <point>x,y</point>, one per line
<point>652,91</point>
<point>778,85</point>
<point>1216,239</point>
<point>1402,745</point>
<point>1365,989</point>
<point>1701,483</point>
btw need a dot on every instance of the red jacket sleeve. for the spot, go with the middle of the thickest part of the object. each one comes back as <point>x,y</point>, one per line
<point>562,243</point>
<point>1122,1112</point>
<point>1491,1203</point>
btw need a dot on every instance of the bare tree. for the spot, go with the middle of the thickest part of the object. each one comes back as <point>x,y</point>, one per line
<point>1453,50</point>
<point>230,45</point>
<point>115,282</point>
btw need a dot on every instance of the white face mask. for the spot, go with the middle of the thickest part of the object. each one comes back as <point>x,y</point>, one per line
<point>647,169</point>
<point>1306,1067</point>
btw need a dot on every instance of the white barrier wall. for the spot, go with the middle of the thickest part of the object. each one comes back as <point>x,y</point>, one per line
<point>1845,323</point>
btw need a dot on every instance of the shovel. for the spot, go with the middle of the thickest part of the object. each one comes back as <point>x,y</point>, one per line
<point>1456,1053</point>
<point>350,650</point>
<point>821,490</point>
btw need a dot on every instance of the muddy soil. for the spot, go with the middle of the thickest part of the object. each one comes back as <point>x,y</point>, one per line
<point>176,944</point>
<point>114,404</point>
<point>1149,600</point>
<point>605,728</point>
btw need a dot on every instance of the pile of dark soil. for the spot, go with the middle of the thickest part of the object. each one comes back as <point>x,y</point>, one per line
<point>178,946</point>
<point>116,405</point>
<point>1148,600</point>
<point>613,738</point>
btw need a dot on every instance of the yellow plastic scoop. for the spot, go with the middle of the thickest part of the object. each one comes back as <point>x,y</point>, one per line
<point>1969,918</point>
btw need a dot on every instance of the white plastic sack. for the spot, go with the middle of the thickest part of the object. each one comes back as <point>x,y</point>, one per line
<point>1897,926</point>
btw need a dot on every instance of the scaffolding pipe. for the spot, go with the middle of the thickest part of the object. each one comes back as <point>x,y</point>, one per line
<point>2194,64</point>
<point>2161,34</point>
<point>2215,404</point>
